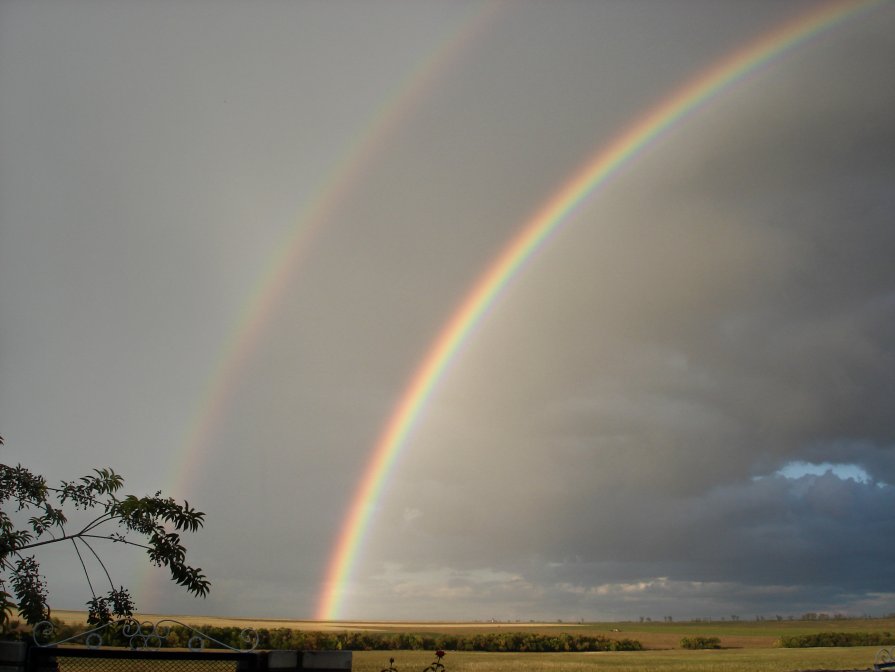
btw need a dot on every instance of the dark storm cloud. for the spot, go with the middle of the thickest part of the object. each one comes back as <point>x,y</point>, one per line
<point>731,308</point>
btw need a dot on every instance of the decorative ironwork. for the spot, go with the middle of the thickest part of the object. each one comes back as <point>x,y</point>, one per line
<point>885,659</point>
<point>391,666</point>
<point>141,636</point>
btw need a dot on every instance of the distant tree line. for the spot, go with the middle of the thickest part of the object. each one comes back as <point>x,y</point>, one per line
<point>837,639</point>
<point>287,638</point>
<point>808,616</point>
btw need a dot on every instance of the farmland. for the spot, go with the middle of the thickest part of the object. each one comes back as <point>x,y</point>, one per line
<point>725,660</point>
<point>746,645</point>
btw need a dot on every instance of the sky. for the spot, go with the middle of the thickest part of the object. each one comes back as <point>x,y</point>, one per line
<point>230,234</point>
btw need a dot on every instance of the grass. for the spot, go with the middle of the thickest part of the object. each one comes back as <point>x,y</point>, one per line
<point>729,660</point>
<point>749,646</point>
<point>762,633</point>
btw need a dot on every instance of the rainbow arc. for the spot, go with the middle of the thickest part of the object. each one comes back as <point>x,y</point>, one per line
<point>557,210</point>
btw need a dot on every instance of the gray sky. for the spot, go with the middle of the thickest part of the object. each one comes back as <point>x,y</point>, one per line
<point>643,425</point>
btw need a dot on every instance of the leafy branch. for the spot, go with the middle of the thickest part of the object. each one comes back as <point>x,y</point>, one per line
<point>157,521</point>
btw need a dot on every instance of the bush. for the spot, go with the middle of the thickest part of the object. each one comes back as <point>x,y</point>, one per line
<point>366,641</point>
<point>286,638</point>
<point>700,643</point>
<point>837,639</point>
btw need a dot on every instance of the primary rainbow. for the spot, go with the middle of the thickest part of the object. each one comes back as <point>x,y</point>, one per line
<point>602,166</point>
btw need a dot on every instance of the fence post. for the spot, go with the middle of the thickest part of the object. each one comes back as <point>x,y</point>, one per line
<point>308,661</point>
<point>283,661</point>
<point>13,656</point>
<point>325,661</point>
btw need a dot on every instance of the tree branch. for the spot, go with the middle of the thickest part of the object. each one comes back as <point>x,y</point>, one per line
<point>84,567</point>
<point>148,518</point>
<point>101,563</point>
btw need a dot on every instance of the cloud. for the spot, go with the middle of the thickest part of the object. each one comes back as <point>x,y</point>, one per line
<point>609,439</point>
<point>727,310</point>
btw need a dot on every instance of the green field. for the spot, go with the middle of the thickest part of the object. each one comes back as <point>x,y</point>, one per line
<point>750,646</point>
<point>725,660</point>
<point>657,636</point>
<point>733,634</point>
<point>747,645</point>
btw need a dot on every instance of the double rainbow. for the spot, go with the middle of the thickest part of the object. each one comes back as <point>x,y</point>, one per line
<point>584,183</point>
<point>267,294</point>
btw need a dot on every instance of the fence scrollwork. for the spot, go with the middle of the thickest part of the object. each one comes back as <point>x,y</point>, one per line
<point>44,632</point>
<point>885,659</point>
<point>138,635</point>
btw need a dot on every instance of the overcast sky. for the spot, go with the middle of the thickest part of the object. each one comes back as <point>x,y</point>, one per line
<point>682,405</point>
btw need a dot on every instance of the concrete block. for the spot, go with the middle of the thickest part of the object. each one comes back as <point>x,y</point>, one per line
<point>325,660</point>
<point>13,652</point>
<point>283,660</point>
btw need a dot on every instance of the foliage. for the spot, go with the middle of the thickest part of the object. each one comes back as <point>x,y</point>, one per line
<point>701,643</point>
<point>837,639</point>
<point>306,640</point>
<point>156,520</point>
<point>287,638</point>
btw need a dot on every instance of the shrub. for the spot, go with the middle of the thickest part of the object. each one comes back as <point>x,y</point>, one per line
<point>700,643</point>
<point>286,638</point>
<point>837,639</point>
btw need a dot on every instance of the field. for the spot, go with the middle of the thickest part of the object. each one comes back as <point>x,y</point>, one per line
<point>725,660</point>
<point>747,645</point>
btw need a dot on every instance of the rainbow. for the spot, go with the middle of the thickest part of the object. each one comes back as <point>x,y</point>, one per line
<point>270,288</point>
<point>605,163</point>
<point>268,291</point>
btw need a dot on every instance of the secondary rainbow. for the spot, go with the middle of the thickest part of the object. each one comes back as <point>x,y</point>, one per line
<point>601,167</point>
<point>267,293</point>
